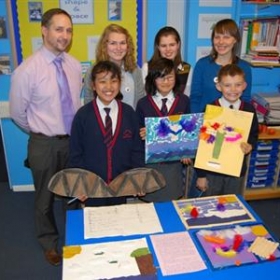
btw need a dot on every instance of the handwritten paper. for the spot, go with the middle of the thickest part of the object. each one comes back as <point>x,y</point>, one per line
<point>127,219</point>
<point>177,253</point>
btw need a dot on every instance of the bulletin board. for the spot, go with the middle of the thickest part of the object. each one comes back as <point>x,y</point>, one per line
<point>90,17</point>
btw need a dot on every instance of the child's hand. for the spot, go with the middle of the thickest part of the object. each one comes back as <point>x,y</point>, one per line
<point>82,198</point>
<point>246,148</point>
<point>143,133</point>
<point>202,184</point>
<point>187,161</point>
<point>141,194</point>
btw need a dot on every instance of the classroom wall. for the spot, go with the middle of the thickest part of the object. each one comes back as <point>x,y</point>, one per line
<point>28,39</point>
<point>193,20</point>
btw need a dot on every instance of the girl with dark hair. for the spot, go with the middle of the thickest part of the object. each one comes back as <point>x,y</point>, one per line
<point>163,99</point>
<point>167,44</point>
<point>91,148</point>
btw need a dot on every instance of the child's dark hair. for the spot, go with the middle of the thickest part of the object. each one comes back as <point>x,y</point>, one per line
<point>230,70</point>
<point>105,67</point>
<point>159,69</point>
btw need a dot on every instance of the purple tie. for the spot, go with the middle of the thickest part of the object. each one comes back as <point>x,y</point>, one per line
<point>108,128</point>
<point>163,109</point>
<point>67,107</point>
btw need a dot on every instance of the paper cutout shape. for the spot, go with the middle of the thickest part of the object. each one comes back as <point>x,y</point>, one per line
<point>75,182</point>
<point>224,254</point>
<point>108,260</point>
<point>220,136</point>
<point>172,138</point>
<point>263,248</point>
<point>212,211</point>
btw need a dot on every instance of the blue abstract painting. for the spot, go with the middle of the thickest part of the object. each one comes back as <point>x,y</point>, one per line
<point>172,138</point>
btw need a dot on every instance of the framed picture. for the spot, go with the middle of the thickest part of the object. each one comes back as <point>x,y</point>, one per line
<point>35,11</point>
<point>114,10</point>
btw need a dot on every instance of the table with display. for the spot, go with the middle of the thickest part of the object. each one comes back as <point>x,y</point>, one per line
<point>171,223</point>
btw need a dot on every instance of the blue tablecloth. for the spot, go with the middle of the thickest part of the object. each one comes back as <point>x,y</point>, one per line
<point>171,222</point>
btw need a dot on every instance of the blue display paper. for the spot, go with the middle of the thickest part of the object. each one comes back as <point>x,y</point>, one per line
<point>172,138</point>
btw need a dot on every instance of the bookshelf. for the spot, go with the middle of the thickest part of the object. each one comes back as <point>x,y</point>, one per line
<point>260,32</point>
<point>262,180</point>
<point>263,174</point>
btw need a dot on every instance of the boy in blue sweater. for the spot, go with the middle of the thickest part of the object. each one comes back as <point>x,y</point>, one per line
<point>231,83</point>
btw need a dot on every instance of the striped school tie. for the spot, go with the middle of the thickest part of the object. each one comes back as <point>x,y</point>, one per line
<point>163,109</point>
<point>108,128</point>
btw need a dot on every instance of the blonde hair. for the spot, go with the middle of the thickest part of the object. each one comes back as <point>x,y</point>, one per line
<point>129,61</point>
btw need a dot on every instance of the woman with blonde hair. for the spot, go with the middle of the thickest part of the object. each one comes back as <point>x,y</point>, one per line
<point>116,45</point>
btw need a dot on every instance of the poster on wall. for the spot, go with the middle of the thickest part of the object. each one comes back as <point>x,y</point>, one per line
<point>81,11</point>
<point>215,3</point>
<point>202,51</point>
<point>206,23</point>
<point>35,11</point>
<point>114,10</point>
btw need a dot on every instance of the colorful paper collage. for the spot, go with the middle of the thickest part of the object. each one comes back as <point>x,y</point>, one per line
<point>121,259</point>
<point>230,246</point>
<point>172,138</point>
<point>221,134</point>
<point>212,211</point>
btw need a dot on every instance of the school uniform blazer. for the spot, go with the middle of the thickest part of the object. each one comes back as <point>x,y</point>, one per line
<point>87,147</point>
<point>146,107</point>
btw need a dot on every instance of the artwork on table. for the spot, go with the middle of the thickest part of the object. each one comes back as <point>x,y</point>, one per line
<point>236,246</point>
<point>212,211</point>
<point>221,134</point>
<point>172,138</point>
<point>110,260</point>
